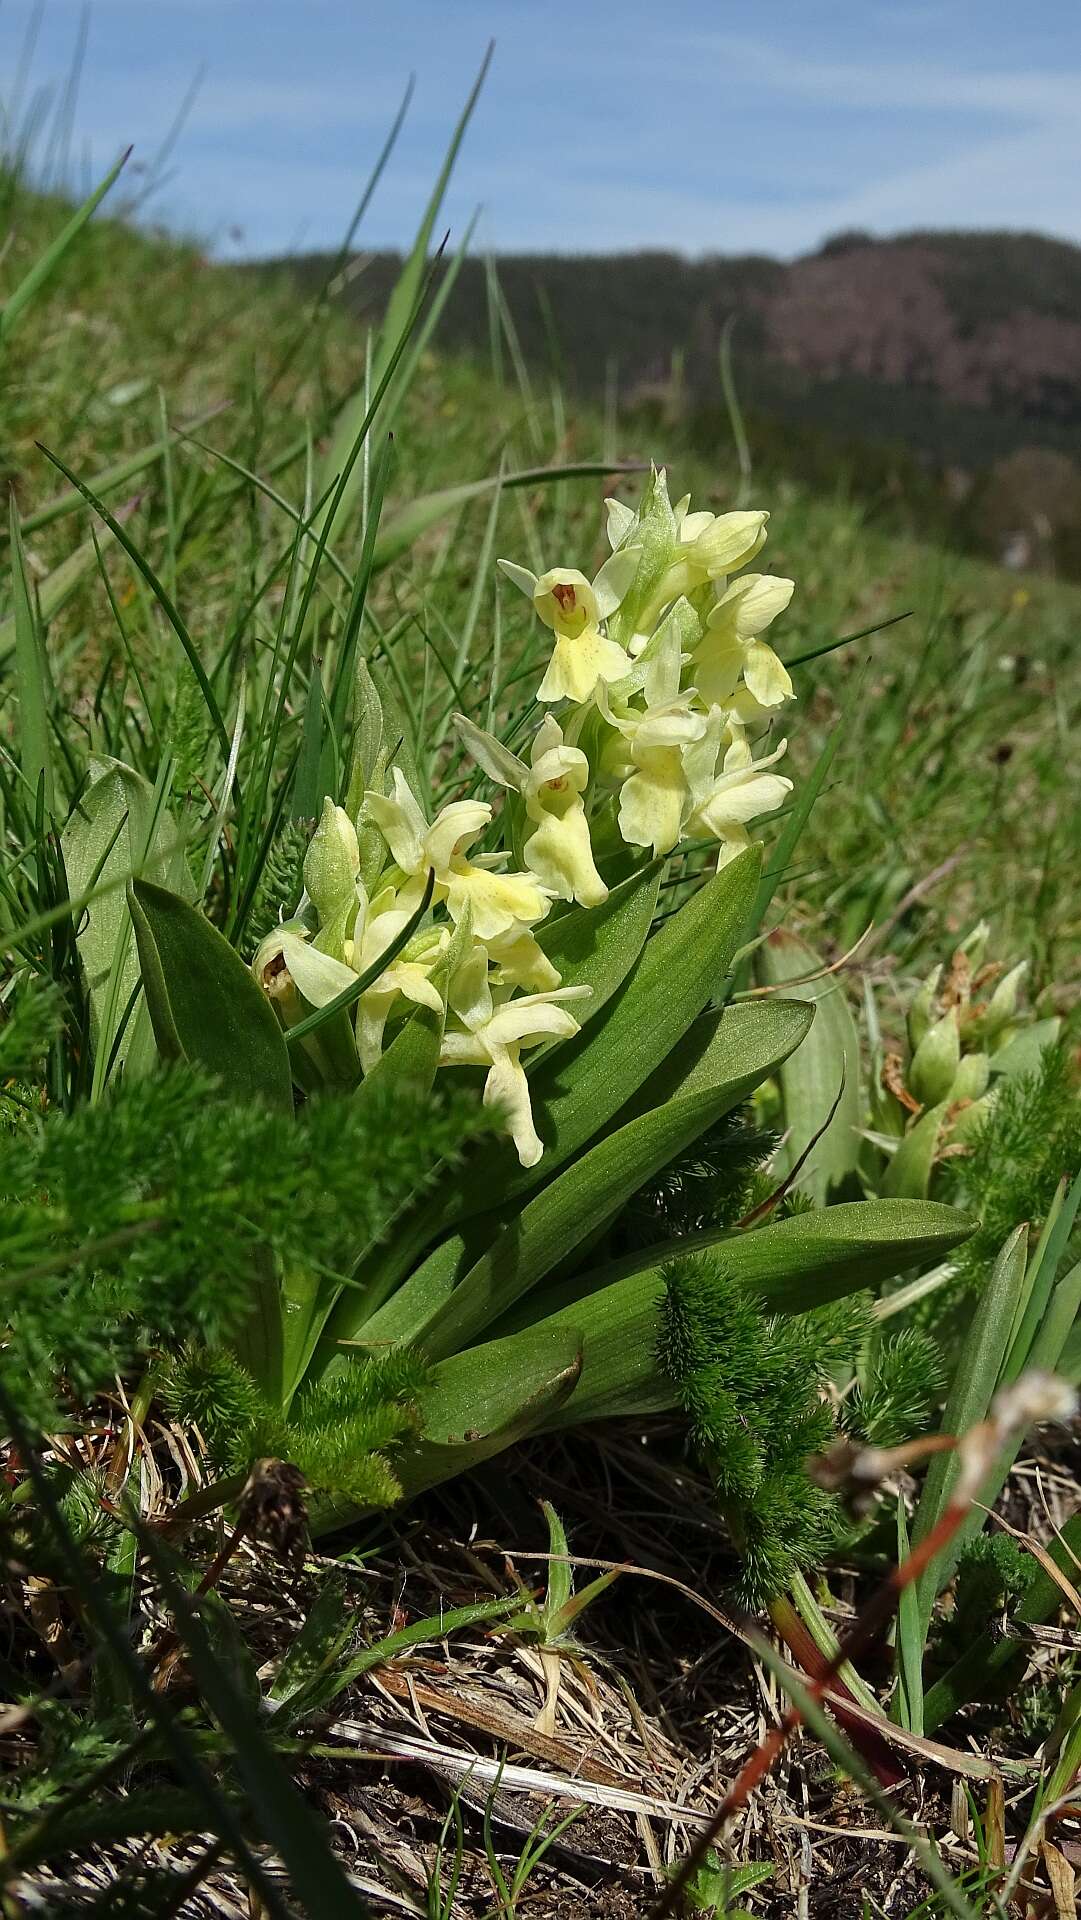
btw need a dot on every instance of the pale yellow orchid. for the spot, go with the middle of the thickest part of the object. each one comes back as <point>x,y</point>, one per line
<point>573,607</point>
<point>518,960</point>
<point>708,548</point>
<point>332,862</point>
<point>407,976</point>
<point>731,646</point>
<point>331,871</point>
<point>496,900</point>
<point>297,975</point>
<point>654,794</point>
<point>559,850</point>
<point>492,1033</point>
<point>723,805</point>
<point>287,964</point>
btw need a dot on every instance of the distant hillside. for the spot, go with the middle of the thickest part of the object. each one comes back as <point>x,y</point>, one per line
<point>944,363</point>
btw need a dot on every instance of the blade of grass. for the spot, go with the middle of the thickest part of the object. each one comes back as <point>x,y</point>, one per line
<point>34,742</point>
<point>975,1380</point>
<point>43,269</point>
<point>908,1706</point>
<point>147,573</point>
<point>400,316</point>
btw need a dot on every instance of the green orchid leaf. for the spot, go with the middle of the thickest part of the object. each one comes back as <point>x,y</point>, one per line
<point>596,947</point>
<point>908,1176</point>
<point>597,1358</point>
<point>206,1008</point>
<point>794,1265</point>
<point>1022,1054</point>
<point>481,1401</point>
<point>617,1328</point>
<point>409,1062</point>
<point>113,834</point>
<point>811,1076</point>
<point>585,1082</point>
<point>614,1328</point>
<point>735,1050</point>
<point>204,1004</point>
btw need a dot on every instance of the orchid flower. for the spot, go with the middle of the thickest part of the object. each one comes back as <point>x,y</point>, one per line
<point>573,608</point>
<point>654,794</point>
<point>722,805</point>
<point>496,900</point>
<point>492,1033</point>
<point>558,851</point>
<point>377,927</point>
<point>731,647</point>
<point>708,548</point>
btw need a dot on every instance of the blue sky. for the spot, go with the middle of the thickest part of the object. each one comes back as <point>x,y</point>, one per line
<point>604,124</point>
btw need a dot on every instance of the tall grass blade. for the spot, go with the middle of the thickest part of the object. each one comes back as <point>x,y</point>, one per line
<point>43,269</point>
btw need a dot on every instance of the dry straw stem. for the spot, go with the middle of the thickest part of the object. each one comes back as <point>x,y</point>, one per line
<point>1034,1397</point>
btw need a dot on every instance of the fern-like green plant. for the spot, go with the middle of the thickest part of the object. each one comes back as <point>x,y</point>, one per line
<point>752,1386</point>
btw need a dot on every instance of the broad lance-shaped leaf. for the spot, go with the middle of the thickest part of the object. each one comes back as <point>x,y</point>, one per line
<point>595,946</point>
<point>596,1359</point>
<point>717,1064</point>
<point>804,1262</point>
<point>206,1008</point>
<point>308,1298</point>
<point>104,842</point>
<point>482,1401</point>
<point>598,946</point>
<point>812,1076</point>
<point>204,1004</point>
<point>584,1082</point>
<point>908,1176</point>
<point>618,1319</point>
<point>595,1356</point>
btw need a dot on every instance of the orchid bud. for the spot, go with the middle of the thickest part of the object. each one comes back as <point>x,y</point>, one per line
<point>970,1080</point>
<point>656,535</point>
<point>974,944</point>
<point>332,862</point>
<point>965,1125</point>
<point>369,737</point>
<point>1003,1002</point>
<point>936,1060</point>
<point>921,1012</point>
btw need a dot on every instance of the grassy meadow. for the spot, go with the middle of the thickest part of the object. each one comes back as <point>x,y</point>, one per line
<point>338,1580</point>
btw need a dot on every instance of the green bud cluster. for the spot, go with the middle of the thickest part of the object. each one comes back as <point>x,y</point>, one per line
<point>963,1024</point>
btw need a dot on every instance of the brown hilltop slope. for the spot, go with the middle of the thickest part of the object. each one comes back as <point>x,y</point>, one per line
<point>960,314</point>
